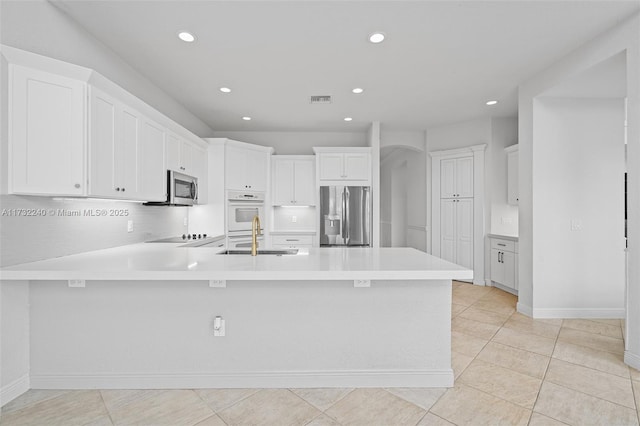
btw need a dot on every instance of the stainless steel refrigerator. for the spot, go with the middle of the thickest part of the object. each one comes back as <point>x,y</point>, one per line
<point>345,216</point>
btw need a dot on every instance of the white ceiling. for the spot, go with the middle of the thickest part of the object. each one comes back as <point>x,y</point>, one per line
<point>441,61</point>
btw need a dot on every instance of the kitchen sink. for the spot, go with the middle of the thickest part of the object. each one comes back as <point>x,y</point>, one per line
<point>287,252</point>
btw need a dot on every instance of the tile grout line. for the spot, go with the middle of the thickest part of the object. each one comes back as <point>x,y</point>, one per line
<point>106,408</point>
<point>209,407</point>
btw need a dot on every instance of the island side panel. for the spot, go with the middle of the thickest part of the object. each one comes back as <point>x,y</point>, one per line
<point>133,334</point>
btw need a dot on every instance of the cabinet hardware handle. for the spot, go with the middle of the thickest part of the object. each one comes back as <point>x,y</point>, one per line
<point>122,189</point>
<point>117,189</point>
<point>77,185</point>
<point>502,245</point>
<point>291,240</point>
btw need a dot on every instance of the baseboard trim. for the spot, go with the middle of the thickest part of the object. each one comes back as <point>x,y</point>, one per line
<point>524,309</point>
<point>632,360</point>
<point>579,313</point>
<point>14,389</point>
<point>487,282</point>
<point>278,379</point>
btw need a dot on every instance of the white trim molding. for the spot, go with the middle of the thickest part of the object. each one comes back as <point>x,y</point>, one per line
<point>14,389</point>
<point>257,379</point>
<point>524,309</point>
<point>632,360</point>
<point>578,313</point>
<point>478,153</point>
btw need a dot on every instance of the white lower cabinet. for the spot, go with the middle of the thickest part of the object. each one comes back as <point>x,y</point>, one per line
<point>504,256</point>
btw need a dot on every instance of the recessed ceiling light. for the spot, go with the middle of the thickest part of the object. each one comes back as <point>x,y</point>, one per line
<point>225,90</point>
<point>246,118</point>
<point>348,119</point>
<point>358,90</point>
<point>492,102</point>
<point>376,38</point>
<point>187,37</point>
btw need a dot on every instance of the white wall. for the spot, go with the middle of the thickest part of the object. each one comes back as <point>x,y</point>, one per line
<point>38,26</point>
<point>210,218</point>
<point>504,217</point>
<point>623,38</point>
<point>580,144</point>
<point>297,143</point>
<point>373,140</point>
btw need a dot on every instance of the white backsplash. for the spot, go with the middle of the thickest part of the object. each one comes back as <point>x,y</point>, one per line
<point>283,219</point>
<point>60,227</point>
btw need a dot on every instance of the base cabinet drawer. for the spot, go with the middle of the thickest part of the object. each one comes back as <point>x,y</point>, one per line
<point>292,241</point>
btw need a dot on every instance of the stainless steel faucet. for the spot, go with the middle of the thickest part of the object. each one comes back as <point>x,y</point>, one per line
<point>255,231</point>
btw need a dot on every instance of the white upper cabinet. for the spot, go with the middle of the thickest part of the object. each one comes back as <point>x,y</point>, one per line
<point>293,180</point>
<point>246,168</point>
<point>75,133</point>
<point>512,175</point>
<point>344,164</point>
<point>456,177</point>
<point>47,136</point>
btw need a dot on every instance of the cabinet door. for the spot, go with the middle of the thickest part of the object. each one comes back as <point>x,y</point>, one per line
<point>497,267</point>
<point>464,177</point>
<point>200,162</point>
<point>448,230</point>
<point>187,154</point>
<point>172,153</point>
<point>256,170</point>
<point>283,183</point>
<point>102,143</point>
<point>152,176</point>
<point>235,163</point>
<point>331,166</point>
<point>509,263</point>
<point>357,166</point>
<point>448,178</point>
<point>47,116</point>
<point>464,232</point>
<point>304,182</point>
<point>126,155</point>
<point>512,178</point>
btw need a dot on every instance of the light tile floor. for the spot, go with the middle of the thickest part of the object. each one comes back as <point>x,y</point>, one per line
<point>510,370</point>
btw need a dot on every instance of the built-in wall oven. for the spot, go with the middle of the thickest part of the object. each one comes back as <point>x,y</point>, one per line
<point>242,207</point>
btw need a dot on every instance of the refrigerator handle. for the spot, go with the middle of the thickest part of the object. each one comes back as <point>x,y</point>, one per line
<point>344,210</point>
<point>348,196</point>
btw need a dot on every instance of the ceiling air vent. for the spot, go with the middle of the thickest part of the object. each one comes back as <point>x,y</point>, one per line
<point>324,99</point>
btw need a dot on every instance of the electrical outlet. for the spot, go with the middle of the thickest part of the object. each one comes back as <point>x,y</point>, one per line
<point>219,327</point>
<point>129,226</point>
<point>294,219</point>
<point>576,225</point>
<point>77,283</point>
<point>185,221</point>
<point>362,283</point>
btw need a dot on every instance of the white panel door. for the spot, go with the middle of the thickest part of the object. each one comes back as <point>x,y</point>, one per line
<point>357,166</point>
<point>331,166</point>
<point>283,183</point>
<point>47,139</point>
<point>305,182</point>
<point>152,176</point>
<point>102,143</point>
<point>464,232</point>
<point>234,167</point>
<point>447,178</point>
<point>448,230</point>
<point>172,153</point>
<point>126,166</point>
<point>464,177</point>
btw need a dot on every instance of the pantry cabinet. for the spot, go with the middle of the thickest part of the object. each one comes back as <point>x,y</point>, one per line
<point>246,168</point>
<point>293,180</point>
<point>457,231</point>
<point>456,179</point>
<point>47,137</point>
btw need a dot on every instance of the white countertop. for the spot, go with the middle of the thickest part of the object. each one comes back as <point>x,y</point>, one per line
<point>504,237</point>
<point>166,261</point>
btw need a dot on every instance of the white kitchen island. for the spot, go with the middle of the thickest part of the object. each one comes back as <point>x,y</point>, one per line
<point>145,318</point>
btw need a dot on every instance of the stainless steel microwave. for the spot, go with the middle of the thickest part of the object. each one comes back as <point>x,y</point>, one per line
<point>182,190</point>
